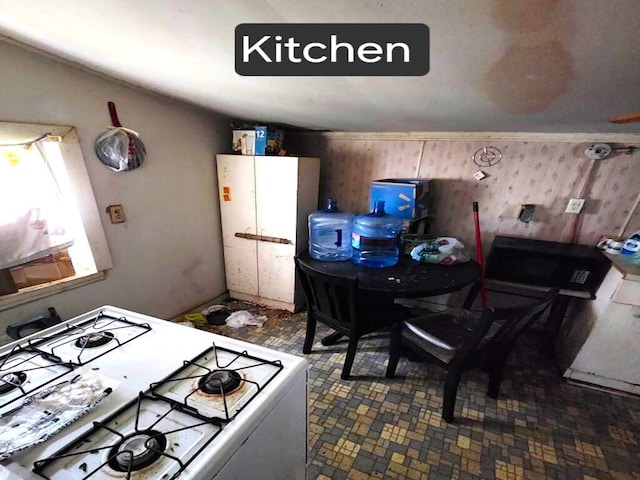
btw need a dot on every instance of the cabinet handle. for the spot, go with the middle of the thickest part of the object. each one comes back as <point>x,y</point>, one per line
<point>262,238</point>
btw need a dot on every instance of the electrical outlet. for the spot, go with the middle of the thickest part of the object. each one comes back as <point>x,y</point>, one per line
<point>116,213</point>
<point>575,205</point>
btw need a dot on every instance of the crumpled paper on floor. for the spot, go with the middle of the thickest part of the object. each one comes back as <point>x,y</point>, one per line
<point>242,318</point>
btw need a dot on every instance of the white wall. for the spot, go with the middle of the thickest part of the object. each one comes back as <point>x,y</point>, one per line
<point>167,256</point>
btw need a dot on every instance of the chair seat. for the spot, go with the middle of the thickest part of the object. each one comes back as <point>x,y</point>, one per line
<point>435,334</point>
<point>441,334</point>
<point>461,340</point>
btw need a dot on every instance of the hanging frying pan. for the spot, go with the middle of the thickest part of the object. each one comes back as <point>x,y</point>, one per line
<point>120,148</point>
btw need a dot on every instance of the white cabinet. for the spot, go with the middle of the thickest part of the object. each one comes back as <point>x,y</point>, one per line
<point>599,342</point>
<point>264,204</point>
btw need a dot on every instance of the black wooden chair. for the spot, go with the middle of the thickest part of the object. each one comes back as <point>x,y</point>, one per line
<point>463,340</point>
<point>337,303</point>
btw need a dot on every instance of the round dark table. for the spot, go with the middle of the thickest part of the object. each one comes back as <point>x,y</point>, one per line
<point>406,279</point>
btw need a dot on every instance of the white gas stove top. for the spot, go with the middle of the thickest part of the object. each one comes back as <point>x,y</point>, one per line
<point>187,401</point>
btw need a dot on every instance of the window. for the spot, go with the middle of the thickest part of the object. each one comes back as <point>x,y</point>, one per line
<point>51,237</point>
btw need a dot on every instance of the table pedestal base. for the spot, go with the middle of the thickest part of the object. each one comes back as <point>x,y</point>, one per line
<point>331,339</point>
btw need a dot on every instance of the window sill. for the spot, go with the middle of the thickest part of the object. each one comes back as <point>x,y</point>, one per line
<point>47,289</point>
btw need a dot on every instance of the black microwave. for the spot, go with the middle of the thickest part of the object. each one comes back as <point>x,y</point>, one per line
<point>550,264</point>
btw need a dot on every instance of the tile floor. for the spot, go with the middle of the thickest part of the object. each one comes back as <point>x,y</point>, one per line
<point>371,427</point>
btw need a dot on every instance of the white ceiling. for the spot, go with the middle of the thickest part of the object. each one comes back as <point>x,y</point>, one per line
<point>496,65</point>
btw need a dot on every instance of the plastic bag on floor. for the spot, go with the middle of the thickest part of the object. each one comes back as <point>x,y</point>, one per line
<point>216,314</point>
<point>214,308</point>
<point>242,318</point>
<point>445,250</point>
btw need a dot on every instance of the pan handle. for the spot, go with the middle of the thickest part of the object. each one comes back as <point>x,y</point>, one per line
<point>114,114</point>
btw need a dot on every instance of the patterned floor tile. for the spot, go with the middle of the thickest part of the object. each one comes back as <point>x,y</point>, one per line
<point>370,427</point>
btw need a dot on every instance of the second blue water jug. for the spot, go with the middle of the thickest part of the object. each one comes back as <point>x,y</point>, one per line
<point>375,238</point>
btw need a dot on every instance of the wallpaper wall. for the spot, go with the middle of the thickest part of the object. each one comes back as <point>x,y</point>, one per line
<point>544,174</point>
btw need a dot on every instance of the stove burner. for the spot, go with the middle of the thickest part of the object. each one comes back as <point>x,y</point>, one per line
<point>219,382</point>
<point>93,340</point>
<point>137,451</point>
<point>11,381</point>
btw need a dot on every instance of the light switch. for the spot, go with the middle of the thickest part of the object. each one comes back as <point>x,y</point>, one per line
<point>116,213</point>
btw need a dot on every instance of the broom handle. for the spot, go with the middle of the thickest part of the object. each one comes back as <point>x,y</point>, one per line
<point>483,291</point>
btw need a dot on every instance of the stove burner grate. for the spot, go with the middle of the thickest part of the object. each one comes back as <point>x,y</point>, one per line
<point>101,330</point>
<point>137,451</point>
<point>220,382</point>
<point>140,448</point>
<point>12,380</point>
<point>94,340</point>
<point>26,369</point>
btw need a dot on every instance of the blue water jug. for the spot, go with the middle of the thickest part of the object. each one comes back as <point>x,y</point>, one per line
<point>330,233</point>
<point>375,238</point>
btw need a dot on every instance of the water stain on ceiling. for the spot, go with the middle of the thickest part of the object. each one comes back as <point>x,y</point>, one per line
<point>536,67</point>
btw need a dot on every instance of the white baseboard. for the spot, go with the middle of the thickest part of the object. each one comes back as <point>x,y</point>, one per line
<point>595,381</point>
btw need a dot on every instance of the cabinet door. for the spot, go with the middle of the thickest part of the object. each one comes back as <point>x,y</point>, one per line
<point>236,185</point>
<point>276,200</point>
<point>611,351</point>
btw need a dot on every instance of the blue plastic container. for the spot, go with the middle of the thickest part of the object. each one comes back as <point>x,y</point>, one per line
<point>330,233</point>
<point>632,245</point>
<point>375,238</point>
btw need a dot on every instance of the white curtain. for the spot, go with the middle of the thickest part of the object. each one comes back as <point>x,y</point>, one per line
<point>32,219</point>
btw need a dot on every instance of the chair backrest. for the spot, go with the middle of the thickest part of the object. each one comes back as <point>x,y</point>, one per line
<point>330,300</point>
<point>510,322</point>
<point>493,335</point>
<point>478,330</point>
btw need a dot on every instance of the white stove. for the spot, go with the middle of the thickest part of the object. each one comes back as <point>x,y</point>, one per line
<point>190,404</point>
